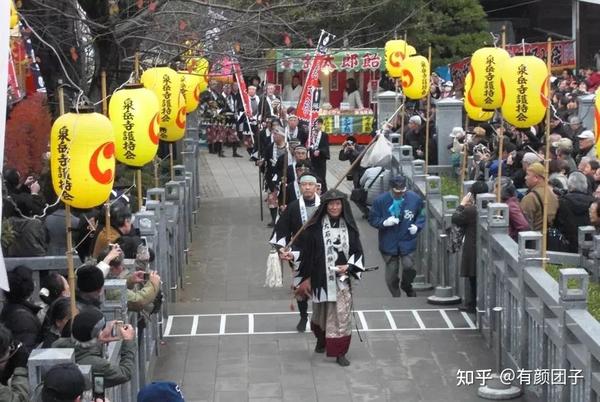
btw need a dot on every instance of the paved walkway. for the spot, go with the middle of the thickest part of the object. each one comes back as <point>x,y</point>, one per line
<point>231,339</point>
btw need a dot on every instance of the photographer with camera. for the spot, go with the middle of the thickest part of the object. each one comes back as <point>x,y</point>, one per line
<point>137,300</point>
<point>90,332</point>
<point>13,369</point>
<point>349,152</point>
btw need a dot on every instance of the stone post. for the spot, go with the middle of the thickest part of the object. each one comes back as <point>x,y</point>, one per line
<point>448,115</point>
<point>586,111</point>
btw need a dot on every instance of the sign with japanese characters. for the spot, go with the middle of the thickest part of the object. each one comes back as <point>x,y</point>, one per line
<point>336,59</point>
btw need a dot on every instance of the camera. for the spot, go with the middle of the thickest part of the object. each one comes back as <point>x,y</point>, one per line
<point>116,329</point>
<point>146,276</point>
<point>98,388</point>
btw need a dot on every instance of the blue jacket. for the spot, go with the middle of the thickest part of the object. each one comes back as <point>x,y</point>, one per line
<point>396,240</point>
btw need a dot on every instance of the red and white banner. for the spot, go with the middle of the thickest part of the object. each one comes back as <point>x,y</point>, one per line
<point>308,104</point>
<point>243,90</point>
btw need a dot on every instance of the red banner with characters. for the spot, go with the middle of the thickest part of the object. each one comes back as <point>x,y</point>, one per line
<point>308,104</point>
<point>243,90</point>
<point>563,56</point>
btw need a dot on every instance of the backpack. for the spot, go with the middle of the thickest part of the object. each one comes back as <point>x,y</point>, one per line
<point>30,238</point>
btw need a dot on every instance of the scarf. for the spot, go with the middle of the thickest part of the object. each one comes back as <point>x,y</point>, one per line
<point>396,208</point>
<point>335,241</point>
<point>314,140</point>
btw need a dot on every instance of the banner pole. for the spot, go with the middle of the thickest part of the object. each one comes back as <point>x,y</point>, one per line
<point>547,157</point>
<point>427,117</point>
<point>500,138</point>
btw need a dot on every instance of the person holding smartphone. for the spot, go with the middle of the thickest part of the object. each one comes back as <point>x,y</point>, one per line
<point>465,217</point>
<point>137,299</point>
<point>89,331</point>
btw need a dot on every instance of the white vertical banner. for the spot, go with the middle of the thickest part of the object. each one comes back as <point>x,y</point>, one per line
<point>4,49</point>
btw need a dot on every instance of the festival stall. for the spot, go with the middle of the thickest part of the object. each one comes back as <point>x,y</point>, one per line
<point>363,65</point>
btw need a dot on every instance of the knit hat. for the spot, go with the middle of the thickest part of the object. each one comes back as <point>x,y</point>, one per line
<point>88,324</point>
<point>537,169</point>
<point>530,158</point>
<point>479,131</point>
<point>160,391</point>
<point>415,120</point>
<point>398,182</point>
<point>63,382</point>
<point>89,278</point>
<point>563,143</point>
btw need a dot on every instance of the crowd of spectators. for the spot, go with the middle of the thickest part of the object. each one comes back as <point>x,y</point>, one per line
<point>42,320</point>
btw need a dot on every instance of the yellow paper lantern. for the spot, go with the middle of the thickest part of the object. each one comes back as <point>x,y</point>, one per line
<point>474,112</point>
<point>524,91</point>
<point>134,113</point>
<point>190,88</point>
<point>166,85</point>
<point>82,158</point>
<point>597,121</point>
<point>415,77</point>
<point>395,52</point>
<point>486,65</point>
<point>14,17</point>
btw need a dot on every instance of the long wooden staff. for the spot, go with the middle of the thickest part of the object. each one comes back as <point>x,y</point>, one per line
<point>70,263</point>
<point>428,118</point>
<point>356,162</point>
<point>500,138</point>
<point>284,173</point>
<point>547,159</point>
<point>352,166</point>
<point>258,150</point>
<point>105,112</point>
<point>403,98</point>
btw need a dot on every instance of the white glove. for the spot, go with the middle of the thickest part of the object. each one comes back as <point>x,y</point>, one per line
<point>412,229</point>
<point>391,221</point>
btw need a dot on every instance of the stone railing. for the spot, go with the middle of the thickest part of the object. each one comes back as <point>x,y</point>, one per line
<point>545,324</point>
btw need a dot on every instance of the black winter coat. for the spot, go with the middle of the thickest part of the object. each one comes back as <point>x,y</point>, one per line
<point>572,213</point>
<point>21,319</point>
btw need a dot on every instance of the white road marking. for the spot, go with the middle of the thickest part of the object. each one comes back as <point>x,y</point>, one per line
<point>468,320</point>
<point>447,319</point>
<point>223,323</point>
<point>194,325</point>
<point>174,331</point>
<point>388,314</point>
<point>418,319</point>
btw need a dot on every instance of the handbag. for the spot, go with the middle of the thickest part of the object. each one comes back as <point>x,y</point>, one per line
<point>359,195</point>
<point>555,240</point>
<point>456,238</point>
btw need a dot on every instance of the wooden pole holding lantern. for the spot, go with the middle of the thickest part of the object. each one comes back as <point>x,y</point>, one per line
<point>171,161</point>
<point>428,110</point>
<point>398,83</point>
<point>105,112</point>
<point>547,157</point>
<point>500,138</point>
<point>68,224</point>
<point>138,172</point>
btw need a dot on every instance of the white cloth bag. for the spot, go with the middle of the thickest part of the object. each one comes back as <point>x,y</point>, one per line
<point>380,153</point>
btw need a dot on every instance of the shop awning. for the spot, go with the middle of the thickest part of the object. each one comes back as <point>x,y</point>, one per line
<point>337,59</point>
